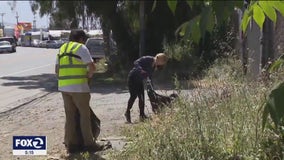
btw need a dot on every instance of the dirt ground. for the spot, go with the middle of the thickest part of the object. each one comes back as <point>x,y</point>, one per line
<point>44,116</point>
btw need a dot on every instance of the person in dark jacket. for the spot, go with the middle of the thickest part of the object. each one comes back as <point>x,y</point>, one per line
<point>143,68</point>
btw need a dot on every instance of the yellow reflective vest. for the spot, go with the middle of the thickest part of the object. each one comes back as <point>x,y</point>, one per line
<point>72,71</point>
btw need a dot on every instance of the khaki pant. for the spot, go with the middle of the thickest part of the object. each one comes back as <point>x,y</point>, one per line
<point>77,107</point>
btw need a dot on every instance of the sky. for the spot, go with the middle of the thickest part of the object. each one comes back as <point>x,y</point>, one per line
<point>24,12</point>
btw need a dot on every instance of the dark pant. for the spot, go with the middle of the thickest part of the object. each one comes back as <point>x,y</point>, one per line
<point>136,89</point>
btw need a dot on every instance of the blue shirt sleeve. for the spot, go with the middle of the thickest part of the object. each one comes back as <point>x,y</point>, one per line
<point>145,63</point>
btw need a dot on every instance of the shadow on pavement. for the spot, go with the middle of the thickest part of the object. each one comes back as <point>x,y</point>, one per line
<point>48,82</point>
<point>102,83</point>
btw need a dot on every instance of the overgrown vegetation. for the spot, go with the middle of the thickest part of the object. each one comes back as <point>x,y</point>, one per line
<point>189,61</point>
<point>193,20</point>
<point>103,77</point>
<point>220,119</point>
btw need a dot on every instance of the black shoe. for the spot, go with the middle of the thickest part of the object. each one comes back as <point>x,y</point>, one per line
<point>74,148</point>
<point>94,148</point>
<point>143,117</point>
<point>98,147</point>
<point>127,116</point>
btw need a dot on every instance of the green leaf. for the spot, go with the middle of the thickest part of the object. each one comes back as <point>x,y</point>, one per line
<point>268,10</point>
<point>190,3</point>
<point>245,20</point>
<point>274,104</point>
<point>211,22</point>
<point>195,30</point>
<point>191,30</point>
<point>278,5</point>
<point>258,15</point>
<point>206,20</point>
<point>182,29</point>
<point>276,65</point>
<point>188,30</point>
<point>172,5</point>
<point>154,5</point>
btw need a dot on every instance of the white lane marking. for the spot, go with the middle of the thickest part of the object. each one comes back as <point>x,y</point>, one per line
<point>15,73</point>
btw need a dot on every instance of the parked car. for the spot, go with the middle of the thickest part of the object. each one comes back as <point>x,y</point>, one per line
<point>42,44</point>
<point>64,39</point>
<point>60,43</point>
<point>51,44</point>
<point>35,42</point>
<point>12,42</point>
<point>6,46</point>
<point>54,44</point>
<point>96,48</point>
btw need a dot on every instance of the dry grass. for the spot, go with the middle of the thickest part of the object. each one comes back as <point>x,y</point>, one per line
<point>220,119</point>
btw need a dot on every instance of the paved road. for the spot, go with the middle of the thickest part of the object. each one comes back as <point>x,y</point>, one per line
<point>25,75</point>
<point>27,87</point>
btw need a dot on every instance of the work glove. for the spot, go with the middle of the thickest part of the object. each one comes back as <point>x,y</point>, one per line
<point>148,80</point>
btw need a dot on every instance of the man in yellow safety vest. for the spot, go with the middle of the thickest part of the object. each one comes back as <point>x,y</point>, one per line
<point>74,66</point>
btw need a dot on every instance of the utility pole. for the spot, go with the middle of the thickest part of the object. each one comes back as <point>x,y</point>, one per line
<point>34,23</point>
<point>2,26</point>
<point>2,14</point>
<point>17,17</point>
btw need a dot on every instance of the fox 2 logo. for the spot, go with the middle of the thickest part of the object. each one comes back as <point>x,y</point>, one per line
<point>29,142</point>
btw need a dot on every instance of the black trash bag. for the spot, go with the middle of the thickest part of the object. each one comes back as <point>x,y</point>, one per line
<point>158,101</point>
<point>95,124</point>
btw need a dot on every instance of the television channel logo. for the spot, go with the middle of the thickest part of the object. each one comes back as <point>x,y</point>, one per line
<point>29,145</point>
